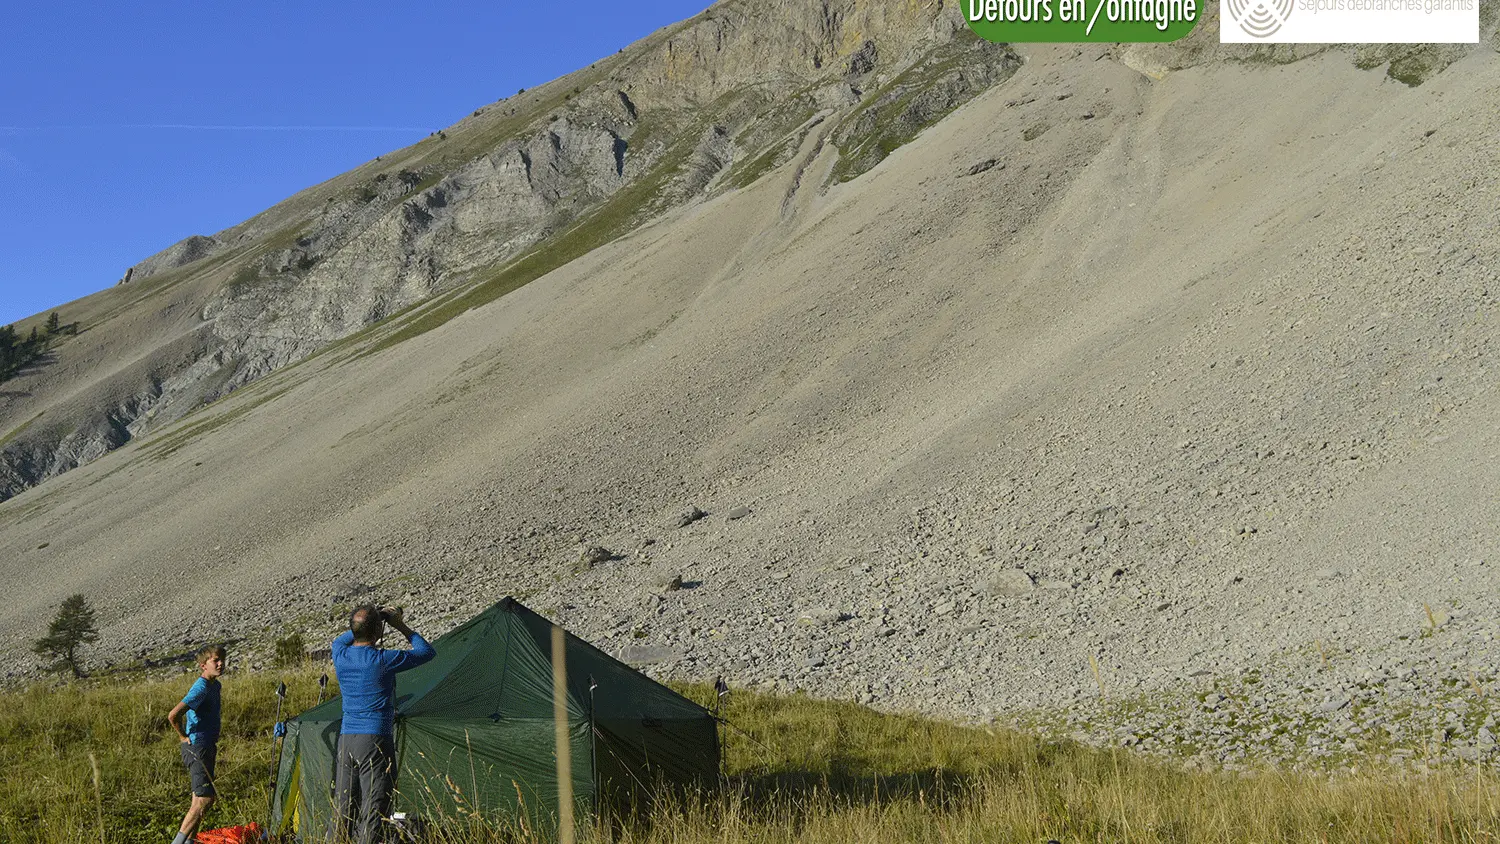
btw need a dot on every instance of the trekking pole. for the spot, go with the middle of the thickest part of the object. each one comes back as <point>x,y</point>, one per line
<point>721,697</point>
<point>322,687</point>
<point>593,739</point>
<point>721,694</point>
<point>279,731</point>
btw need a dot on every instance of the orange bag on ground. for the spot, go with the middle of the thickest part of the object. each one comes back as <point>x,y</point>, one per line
<point>247,834</point>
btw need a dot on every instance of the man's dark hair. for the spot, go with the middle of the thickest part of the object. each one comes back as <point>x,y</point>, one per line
<point>365,623</point>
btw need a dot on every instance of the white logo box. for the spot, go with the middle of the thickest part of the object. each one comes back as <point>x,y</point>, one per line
<point>1349,21</point>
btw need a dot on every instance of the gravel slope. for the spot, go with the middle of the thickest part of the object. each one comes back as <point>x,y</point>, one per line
<point>1195,384</point>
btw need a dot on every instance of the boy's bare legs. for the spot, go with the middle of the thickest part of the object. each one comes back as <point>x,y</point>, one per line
<point>199,759</point>
<point>192,819</point>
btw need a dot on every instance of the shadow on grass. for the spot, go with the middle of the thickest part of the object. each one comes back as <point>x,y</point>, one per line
<point>34,365</point>
<point>938,788</point>
<point>791,796</point>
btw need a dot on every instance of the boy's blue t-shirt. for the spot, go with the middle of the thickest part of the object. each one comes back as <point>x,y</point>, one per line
<point>367,682</point>
<point>203,711</point>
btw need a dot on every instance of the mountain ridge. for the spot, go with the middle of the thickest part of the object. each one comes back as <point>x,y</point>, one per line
<point>1181,376</point>
<point>501,184</point>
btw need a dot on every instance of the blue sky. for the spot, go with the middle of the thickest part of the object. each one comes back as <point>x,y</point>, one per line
<point>98,167</point>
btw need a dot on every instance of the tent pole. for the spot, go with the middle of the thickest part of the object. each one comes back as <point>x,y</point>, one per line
<point>278,730</point>
<point>593,748</point>
<point>565,831</point>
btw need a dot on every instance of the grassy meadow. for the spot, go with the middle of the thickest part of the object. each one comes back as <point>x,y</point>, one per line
<point>796,770</point>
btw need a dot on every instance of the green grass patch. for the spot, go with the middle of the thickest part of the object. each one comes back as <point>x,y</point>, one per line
<point>1413,69</point>
<point>172,441</point>
<point>894,114</point>
<point>285,237</point>
<point>245,277</point>
<point>794,770</point>
<point>1409,64</point>
<point>750,172</point>
<point>19,430</point>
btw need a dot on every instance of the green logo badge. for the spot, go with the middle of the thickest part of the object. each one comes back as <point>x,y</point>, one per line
<point>1081,21</point>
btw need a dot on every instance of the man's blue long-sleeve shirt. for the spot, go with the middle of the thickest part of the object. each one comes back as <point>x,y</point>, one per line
<point>367,681</point>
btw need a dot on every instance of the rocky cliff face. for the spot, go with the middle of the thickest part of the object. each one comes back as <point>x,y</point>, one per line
<point>521,187</point>
<point>540,177</point>
<point>179,254</point>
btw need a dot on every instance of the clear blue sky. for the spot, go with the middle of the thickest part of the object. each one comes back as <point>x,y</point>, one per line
<point>92,179</point>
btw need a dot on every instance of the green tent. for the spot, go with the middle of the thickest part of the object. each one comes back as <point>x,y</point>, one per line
<point>475,733</point>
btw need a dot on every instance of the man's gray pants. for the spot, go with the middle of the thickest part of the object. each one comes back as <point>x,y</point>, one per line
<point>364,776</point>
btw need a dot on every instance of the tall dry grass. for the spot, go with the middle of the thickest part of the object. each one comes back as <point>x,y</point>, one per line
<point>796,770</point>
<point>48,732</point>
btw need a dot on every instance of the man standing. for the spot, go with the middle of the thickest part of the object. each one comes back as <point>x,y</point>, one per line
<point>365,773</point>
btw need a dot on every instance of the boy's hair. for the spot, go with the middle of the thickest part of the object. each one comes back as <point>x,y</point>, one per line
<point>209,652</point>
<point>365,623</point>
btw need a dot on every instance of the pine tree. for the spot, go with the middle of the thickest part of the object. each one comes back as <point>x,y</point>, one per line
<point>17,352</point>
<point>9,354</point>
<point>54,322</point>
<point>74,626</point>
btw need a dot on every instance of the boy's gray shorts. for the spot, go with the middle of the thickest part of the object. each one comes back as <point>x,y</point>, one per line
<point>199,759</point>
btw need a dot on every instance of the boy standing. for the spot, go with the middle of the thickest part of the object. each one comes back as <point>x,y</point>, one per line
<point>199,737</point>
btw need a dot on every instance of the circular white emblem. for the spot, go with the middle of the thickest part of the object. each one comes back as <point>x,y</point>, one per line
<point>1259,18</point>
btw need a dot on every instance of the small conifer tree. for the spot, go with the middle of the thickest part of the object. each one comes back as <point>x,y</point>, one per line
<point>54,322</point>
<point>73,627</point>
